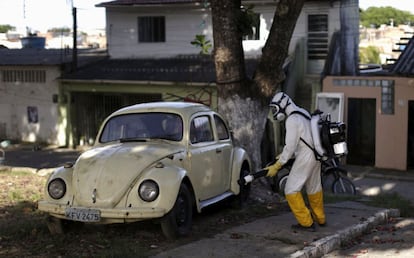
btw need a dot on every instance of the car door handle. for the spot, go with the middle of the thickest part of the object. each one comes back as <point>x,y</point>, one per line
<point>218,150</point>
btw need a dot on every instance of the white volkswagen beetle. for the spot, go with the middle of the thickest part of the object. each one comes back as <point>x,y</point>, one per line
<point>154,160</point>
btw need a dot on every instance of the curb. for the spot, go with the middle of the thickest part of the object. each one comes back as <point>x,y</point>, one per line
<point>330,243</point>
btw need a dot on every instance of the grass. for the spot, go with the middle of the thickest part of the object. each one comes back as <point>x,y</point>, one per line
<point>20,186</point>
<point>24,232</point>
<point>333,198</point>
<point>394,201</point>
<point>382,200</point>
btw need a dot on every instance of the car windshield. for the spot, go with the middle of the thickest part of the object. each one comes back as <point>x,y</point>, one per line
<point>143,126</point>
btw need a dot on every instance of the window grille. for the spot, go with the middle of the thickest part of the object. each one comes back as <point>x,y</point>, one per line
<point>28,76</point>
<point>317,36</point>
<point>151,29</point>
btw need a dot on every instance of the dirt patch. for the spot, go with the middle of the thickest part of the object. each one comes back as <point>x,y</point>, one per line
<point>23,231</point>
<point>392,239</point>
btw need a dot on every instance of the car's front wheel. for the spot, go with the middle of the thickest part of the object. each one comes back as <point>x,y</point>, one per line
<point>177,222</point>
<point>58,226</point>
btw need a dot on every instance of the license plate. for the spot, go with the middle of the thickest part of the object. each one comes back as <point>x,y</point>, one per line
<point>84,215</point>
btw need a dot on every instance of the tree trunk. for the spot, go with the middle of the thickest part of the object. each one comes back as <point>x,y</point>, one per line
<point>235,97</point>
<point>269,73</point>
<point>243,102</point>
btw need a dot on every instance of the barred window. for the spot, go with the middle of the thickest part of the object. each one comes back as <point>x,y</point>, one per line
<point>317,36</point>
<point>151,29</point>
<point>31,76</point>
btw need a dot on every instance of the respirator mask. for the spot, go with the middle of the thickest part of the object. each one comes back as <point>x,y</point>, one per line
<point>278,106</point>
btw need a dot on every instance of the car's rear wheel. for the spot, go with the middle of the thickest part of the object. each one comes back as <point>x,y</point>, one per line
<point>177,222</point>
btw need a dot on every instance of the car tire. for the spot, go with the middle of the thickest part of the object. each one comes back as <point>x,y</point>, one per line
<point>245,189</point>
<point>177,223</point>
<point>58,226</point>
<point>54,225</point>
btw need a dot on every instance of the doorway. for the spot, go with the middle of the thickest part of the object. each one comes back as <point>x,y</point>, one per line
<point>361,131</point>
<point>410,136</point>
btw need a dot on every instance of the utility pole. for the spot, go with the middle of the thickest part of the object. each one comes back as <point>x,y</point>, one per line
<point>75,47</point>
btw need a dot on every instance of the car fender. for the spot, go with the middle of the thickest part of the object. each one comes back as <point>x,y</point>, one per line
<point>240,159</point>
<point>64,173</point>
<point>169,179</point>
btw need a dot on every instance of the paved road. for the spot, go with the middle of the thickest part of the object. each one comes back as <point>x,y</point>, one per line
<point>28,156</point>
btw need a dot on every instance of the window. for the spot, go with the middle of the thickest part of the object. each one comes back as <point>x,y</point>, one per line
<point>255,30</point>
<point>387,97</point>
<point>223,133</point>
<point>151,29</point>
<point>139,126</point>
<point>34,76</point>
<point>317,36</point>
<point>200,130</point>
<point>387,90</point>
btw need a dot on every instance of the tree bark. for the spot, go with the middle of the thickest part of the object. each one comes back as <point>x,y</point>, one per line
<point>228,48</point>
<point>242,101</point>
<point>269,73</point>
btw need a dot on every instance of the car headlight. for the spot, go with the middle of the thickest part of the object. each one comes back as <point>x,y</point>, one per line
<point>56,188</point>
<point>148,190</point>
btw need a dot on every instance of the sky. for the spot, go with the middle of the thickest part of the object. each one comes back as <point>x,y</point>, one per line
<point>41,15</point>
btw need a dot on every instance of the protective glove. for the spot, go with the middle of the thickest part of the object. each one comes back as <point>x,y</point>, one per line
<point>273,169</point>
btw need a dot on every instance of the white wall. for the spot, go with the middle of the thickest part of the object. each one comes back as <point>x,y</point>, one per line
<point>182,24</point>
<point>15,97</point>
<point>181,28</point>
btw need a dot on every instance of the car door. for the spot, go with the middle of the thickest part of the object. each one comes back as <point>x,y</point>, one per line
<point>224,150</point>
<point>204,158</point>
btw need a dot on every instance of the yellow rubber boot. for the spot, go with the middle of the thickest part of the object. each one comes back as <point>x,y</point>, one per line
<point>301,212</point>
<point>316,203</point>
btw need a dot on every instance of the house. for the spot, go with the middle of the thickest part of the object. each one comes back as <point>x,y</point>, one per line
<point>379,112</point>
<point>29,93</point>
<point>150,57</point>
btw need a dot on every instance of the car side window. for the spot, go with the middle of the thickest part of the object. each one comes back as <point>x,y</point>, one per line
<point>200,130</point>
<point>223,133</point>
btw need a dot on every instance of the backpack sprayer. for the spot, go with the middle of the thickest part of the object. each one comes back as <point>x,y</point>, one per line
<point>249,178</point>
<point>261,173</point>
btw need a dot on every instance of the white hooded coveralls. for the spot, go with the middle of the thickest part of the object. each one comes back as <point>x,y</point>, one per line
<point>306,169</point>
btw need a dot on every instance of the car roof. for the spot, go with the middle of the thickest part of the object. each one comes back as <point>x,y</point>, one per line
<point>183,108</point>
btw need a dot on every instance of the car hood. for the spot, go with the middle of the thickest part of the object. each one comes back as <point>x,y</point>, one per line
<point>103,175</point>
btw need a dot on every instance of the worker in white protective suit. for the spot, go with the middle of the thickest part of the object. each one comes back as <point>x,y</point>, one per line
<point>305,170</point>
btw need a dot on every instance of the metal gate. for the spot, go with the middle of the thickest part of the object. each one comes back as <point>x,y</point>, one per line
<point>90,109</point>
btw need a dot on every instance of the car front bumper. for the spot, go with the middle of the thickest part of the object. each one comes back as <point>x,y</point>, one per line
<point>106,215</point>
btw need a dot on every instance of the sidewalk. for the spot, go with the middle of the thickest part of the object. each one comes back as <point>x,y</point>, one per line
<point>272,237</point>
